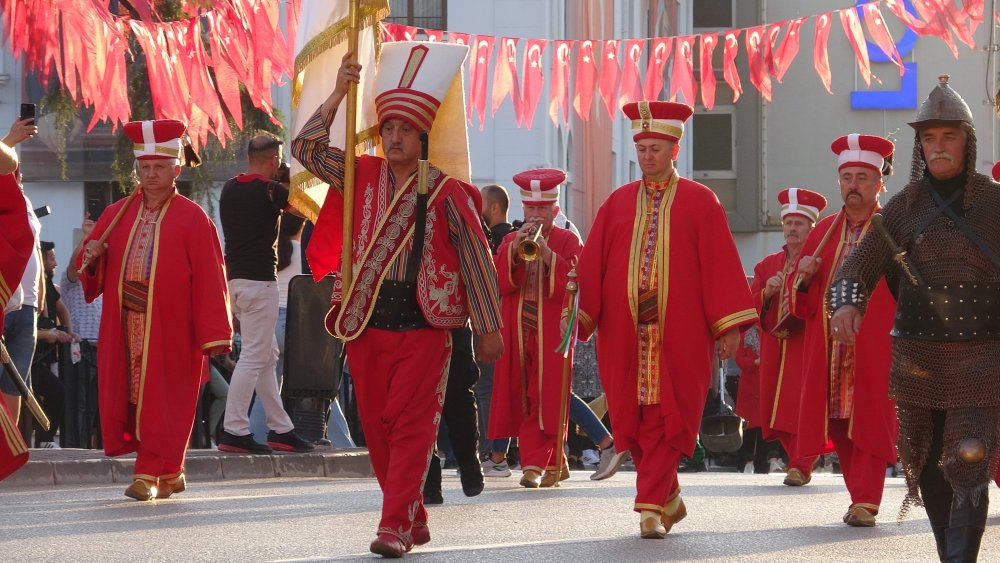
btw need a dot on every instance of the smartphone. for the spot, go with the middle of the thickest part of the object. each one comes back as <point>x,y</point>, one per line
<point>94,209</point>
<point>28,112</point>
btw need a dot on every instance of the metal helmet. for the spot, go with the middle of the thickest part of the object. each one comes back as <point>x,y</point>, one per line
<point>722,433</point>
<point>943,106</point>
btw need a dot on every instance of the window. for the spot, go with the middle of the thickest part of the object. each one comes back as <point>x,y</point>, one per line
<point>713,139</point>
<point>712,13</point>
<point>426,14</point>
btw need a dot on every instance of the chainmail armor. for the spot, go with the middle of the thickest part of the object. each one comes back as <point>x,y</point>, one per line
<point>958,377</point>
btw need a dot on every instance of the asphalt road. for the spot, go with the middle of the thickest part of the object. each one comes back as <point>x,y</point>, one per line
<point>731,517</point>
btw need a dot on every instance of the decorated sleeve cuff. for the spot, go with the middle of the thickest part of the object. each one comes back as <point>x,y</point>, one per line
<point>722,325</point>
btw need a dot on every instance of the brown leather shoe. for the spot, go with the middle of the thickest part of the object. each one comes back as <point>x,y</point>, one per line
<point>796,478</point>
<point>668,520</point>
<point>549,478</point>
<point>859,517</point>
<point>530,479</point>
<point>140,489</point>
<point>420,534</point>
<point>388,546</point>
<point>170,486</point>
<point>650,528</point>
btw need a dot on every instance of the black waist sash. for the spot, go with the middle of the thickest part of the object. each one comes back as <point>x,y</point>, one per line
<point>951,312</point>
<point>397,308</point>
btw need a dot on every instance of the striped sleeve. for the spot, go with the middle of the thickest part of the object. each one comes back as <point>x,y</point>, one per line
<point>479,275</point>
<point>311,147</point>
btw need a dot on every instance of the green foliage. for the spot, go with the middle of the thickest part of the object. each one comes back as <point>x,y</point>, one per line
<point>58,103</point>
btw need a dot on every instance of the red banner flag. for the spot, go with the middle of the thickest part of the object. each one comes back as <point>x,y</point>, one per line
<point>434,35</point>
<point>534,79</point>
<point>875,23</point>
<point>610,74</point>
<point>934,23</point>
<point>658,56</point>
<point>821,59</point>
<point>771,34</point>
<point>400,32</point>
<point>729,72</point>
<point>755,55</point>
<point>559,95</point>
<point>586,74</point>
<point>631,90</point>
<point>505,77</point>
<point>974,10</point>
<point>956,18</point>
<point>789,48</point>
<point>708,43</point>
<point>682,73</point>
<point>478,68</point>
<point>459,39</point>
<point>856,37</point>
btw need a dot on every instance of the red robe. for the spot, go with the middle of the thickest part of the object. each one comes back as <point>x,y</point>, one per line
<point>508,407</point>
<point>16,246</point>
<point>704,295</point>
<point>873,423</point>
<point>748,397</point>
<point>780,358</point>
<point>187,316</point>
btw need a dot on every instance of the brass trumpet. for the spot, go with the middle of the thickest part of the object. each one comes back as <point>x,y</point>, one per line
<point>528,249</point>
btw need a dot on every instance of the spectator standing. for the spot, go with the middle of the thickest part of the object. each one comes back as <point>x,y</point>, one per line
<point>20,326</point>
<point>250,208</point>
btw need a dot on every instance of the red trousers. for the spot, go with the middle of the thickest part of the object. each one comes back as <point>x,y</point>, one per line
<point>151,465</point>
<point>537,444</point>
<point>400,380</point>
<point>864,474</point>
<point>655,462</point>
<point>803,464</point>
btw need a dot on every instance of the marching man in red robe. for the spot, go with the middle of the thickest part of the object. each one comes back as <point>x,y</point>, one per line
<point>527,384</point>
<point>16,245</point>
<point>414,281</point>
<point>156,258</point>
<point>845,388</point>
<point>661,282</point>
<point>783,335</point>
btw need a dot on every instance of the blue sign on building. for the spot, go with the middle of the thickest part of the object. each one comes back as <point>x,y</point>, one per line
<point>906,96</point>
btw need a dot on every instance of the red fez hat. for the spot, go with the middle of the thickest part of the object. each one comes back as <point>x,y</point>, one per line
<point>869,151</point>
<point>800,201</point>
<point>540,186</point>
<point>657,120</point>
<point>996,171</point>
<point>156,139</point>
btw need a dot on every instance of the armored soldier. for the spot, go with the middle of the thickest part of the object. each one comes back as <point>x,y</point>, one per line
<point>938,253</point>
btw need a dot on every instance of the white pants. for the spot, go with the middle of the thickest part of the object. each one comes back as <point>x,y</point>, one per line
<point>255,305</point>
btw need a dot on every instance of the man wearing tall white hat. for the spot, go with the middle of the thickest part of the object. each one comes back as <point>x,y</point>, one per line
<point>528,393</point>
<point>845,385</point>
<point>156,258</point>
<point>782,334</point>
<point>413,281</point>
<point>661,282</point>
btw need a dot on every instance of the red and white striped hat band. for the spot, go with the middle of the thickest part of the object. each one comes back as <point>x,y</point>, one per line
<point>413,78</point>
<point>796,201</point>
<point>862,150</point>
<point>535,195</point>
<point>160,139</point>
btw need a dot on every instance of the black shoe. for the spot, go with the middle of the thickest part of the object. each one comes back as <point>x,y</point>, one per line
<point>471,475</point>
<point>432,483</point>
<point>241,444</point>
<point>288,442</point>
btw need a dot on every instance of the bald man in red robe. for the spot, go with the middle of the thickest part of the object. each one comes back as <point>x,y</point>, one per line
<point>660,282</point>
<point>528,390</point>
<point>845,388</point>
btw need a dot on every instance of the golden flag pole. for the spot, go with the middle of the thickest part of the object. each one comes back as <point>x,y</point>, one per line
<point>571,289</point>
<point>350,152</point>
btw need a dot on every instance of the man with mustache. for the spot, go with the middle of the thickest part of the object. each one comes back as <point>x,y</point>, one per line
<point>845,384</point>
<point>946,341</point>
<point>423,266</point>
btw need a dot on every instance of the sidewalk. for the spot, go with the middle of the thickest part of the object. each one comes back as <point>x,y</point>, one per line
<point>76,466</point>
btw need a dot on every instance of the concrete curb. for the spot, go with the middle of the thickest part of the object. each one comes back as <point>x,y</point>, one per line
<point>90,467</point>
